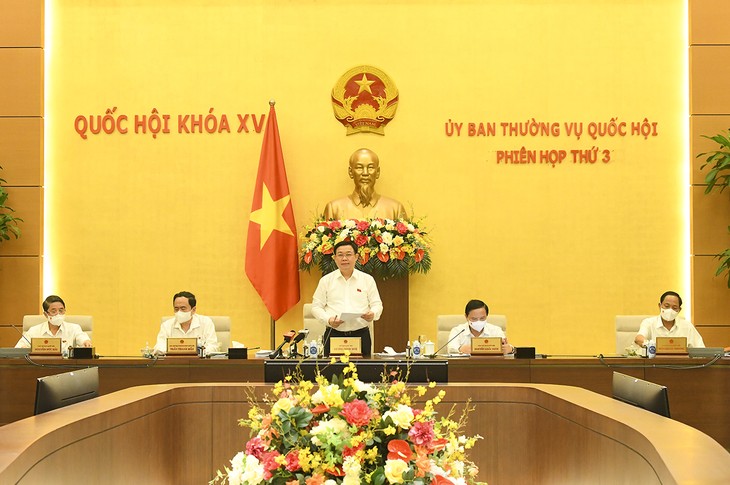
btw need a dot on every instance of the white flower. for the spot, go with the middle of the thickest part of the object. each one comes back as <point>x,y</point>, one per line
<point>321,228</point>
<point>251,474</point>
<point>384,248</point>
<point>387,238</point>
<point>410,227</point>
<point>344,234</point>
<point>360,386</point>
<point>325,429</point>
<point>402,416</point>
<point>234,474</point>
<point>376,224</point>
<point>352,468</point>
<point>350,224</point>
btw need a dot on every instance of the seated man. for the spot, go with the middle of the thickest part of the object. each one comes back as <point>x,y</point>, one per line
<point>666,324</point>
<point>476,325</point>
<point>56,326</point>
<point>188,324</point>
<point>347,290</point>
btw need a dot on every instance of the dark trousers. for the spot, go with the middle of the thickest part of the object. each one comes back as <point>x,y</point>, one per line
<point>363,333</point>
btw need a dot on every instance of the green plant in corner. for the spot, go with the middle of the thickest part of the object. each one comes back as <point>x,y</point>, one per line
<point>8,222</point>
<point>718,177</point>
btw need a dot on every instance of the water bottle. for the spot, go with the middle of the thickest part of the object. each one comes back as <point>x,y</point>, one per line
<point>408,349</point>
<point>651,349</point>
<point>313,349</point>
<point>201,348</point>
<point>416,349</point>
<point>320,347</point>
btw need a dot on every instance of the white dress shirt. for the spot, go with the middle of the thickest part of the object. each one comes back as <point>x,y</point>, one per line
<point>70,334</point>
<point>651,328</point>
<point>201,326</point>
<point>465,336</point>
<point>336,295</point>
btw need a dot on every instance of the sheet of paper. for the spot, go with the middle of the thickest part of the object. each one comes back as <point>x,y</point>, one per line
<point>349,317</point>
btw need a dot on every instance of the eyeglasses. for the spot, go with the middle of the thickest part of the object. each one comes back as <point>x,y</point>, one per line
<point>60,311</point>
<point>345,255</point>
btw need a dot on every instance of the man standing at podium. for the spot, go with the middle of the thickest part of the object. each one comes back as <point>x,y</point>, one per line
<point>347,291</point>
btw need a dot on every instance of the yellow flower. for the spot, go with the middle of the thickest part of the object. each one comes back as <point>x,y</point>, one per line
<point>283,404</point>
<point>421,390</point>
<point>432,384</point>
<point>394,470</point>
<point>389,431</point>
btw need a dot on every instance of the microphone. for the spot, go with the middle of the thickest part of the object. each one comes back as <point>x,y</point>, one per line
<point>22,335</point>
<point>431,356</point>
<point>288,337</point>
<point>300,336</point>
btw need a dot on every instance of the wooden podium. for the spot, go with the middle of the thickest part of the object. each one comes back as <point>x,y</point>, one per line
<point>392,328</point>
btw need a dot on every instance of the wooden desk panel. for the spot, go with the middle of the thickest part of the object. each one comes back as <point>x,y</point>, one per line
<point>568,435</point>
<point>697,397</point>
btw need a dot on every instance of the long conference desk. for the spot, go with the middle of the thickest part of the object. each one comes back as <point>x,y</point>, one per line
<point>699,394</point>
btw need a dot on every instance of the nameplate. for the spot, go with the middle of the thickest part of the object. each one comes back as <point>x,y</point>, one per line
<point>671,345</point>
<point>45,346</point>
<point>340,345</point>
<point>486,346</point>
<point>182,346</point>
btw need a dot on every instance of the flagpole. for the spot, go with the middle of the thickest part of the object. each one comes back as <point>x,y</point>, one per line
<point>273,332</point>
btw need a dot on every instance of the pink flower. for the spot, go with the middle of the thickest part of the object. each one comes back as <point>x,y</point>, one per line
<point>255,447</point>
<point>334,225</point>
<point>268,460</point>
<point>421,433</point>
<point>361,240</point>
<point>292,461</point>
<point>357,412</point>
<point>362,225</point>
<point>401,228</point>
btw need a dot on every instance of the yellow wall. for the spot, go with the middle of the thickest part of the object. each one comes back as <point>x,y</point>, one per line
<point>560,251</point>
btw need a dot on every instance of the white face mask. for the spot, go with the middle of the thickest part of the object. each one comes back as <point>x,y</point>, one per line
<point>57,320</point>
<point>182,317</point>
<point>478,325</point>
<point>668,315</point>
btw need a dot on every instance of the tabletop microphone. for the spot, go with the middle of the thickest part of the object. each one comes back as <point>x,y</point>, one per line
<point>300,336</point>
<point>21,334</point>
<point>431,356</point>
<point>288,337</point>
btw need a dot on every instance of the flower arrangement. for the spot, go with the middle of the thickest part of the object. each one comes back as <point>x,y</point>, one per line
<point>348,432</point>
<point>386,248</point>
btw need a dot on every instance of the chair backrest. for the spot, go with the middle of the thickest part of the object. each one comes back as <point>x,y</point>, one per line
<point>627,326</point>
<point>86,322</point>
<point>444,324</point>
<point>317,328</point>
<point>222,324</point>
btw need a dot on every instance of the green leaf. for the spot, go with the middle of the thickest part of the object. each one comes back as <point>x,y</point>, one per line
<point>378,476</point>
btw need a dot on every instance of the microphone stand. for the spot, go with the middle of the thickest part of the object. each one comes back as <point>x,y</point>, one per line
<point>433,356</point>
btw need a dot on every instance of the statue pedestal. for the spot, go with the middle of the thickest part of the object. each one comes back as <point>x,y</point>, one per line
<point>392,328</point>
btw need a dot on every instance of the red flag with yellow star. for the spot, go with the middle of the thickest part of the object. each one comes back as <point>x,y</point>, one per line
<point>272,264</point>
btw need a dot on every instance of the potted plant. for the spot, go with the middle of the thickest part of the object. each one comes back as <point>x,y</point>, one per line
<point>8,222</point>
<point>718,177</point>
